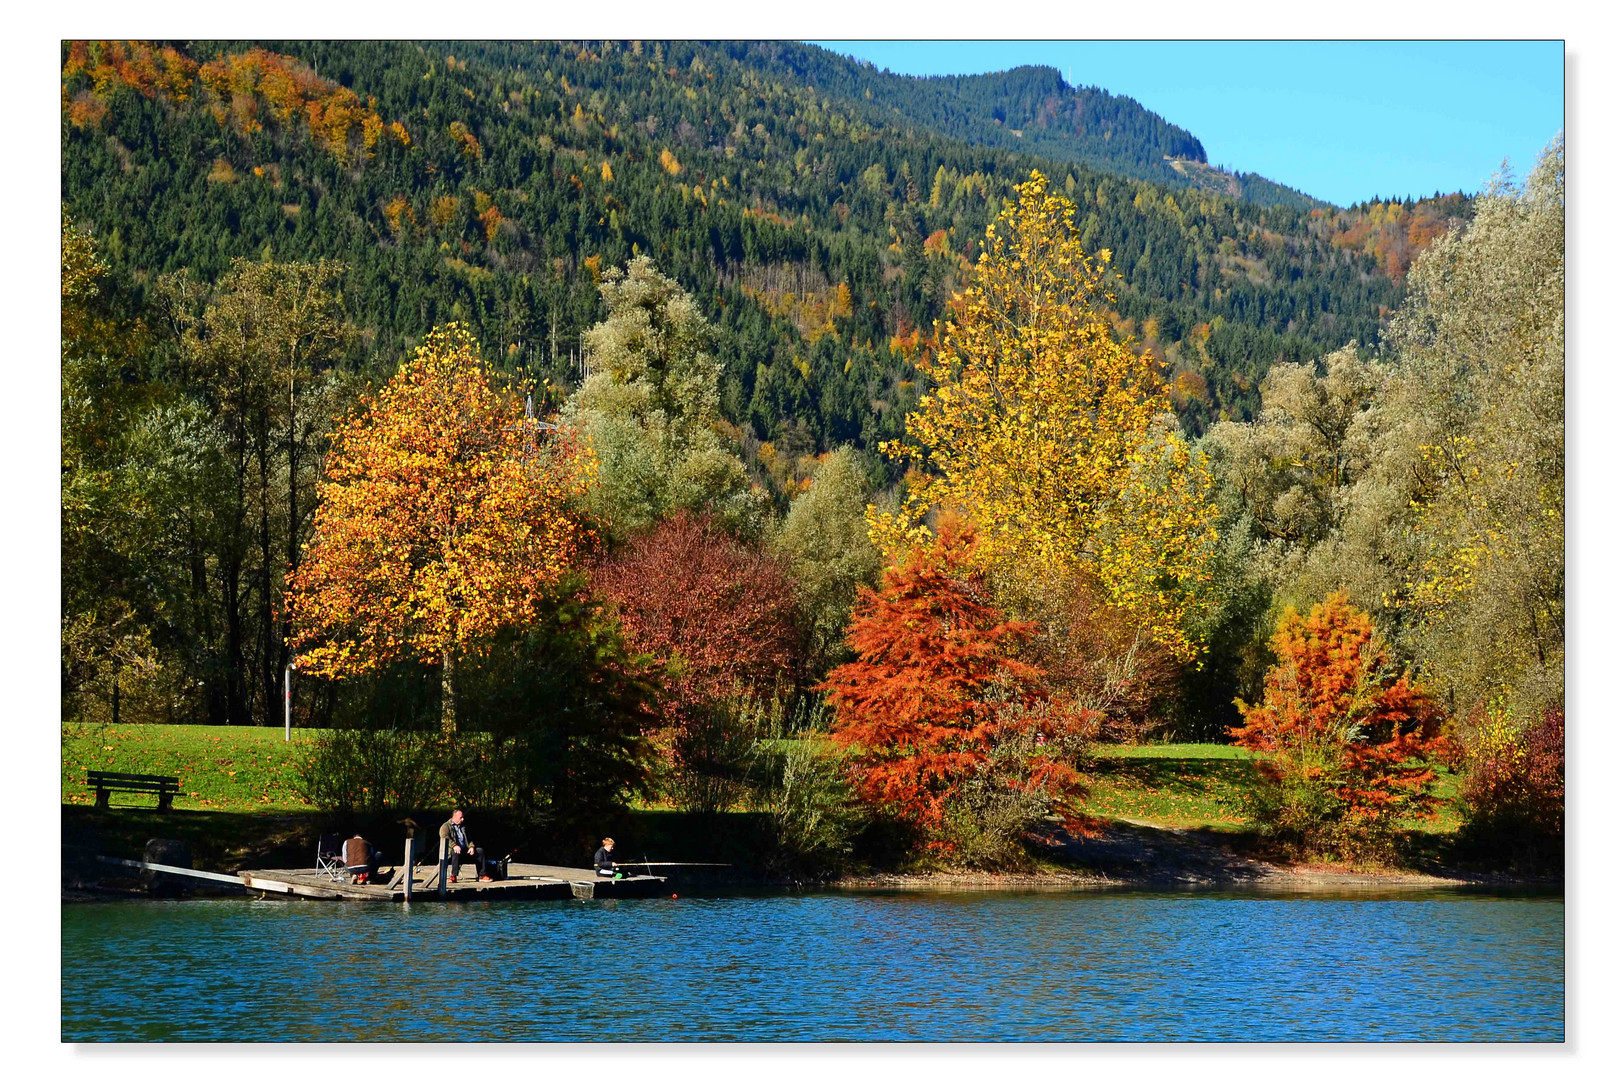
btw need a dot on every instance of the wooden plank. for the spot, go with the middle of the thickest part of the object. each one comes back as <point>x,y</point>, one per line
<point>132,785</point>
<point>313,887</point>
<point>561,885</point>
<point>145,778</point>
<point>228,879</point>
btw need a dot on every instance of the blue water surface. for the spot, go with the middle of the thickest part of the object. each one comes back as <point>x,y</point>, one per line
<point>1042,966</point>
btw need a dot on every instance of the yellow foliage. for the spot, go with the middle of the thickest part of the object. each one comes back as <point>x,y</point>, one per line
<point>466,140</point>
<point>398,211</point>
<point>667,160</point>
<point>443,517</point>
<point>1054,436</point>
<point>443,210</point>
<point>491,220</point>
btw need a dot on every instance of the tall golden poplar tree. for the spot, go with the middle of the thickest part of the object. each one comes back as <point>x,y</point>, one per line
<point>443,517</point>
<point>1054,435</point>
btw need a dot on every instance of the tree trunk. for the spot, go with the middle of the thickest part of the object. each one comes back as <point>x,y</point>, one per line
<point>268,670</point>
<point>447,694</point>
<point>203,625</point>
<point>283,650</point>
<point>236,674</point>
<point>236,711</point>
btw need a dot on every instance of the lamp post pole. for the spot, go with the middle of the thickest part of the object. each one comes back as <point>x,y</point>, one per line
<point>286,698</point>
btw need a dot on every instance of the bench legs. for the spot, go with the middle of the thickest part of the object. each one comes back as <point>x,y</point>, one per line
<point>104,799</point>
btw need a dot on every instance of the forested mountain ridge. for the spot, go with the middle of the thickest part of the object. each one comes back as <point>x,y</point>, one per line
<point>491,183</point>
<point>1031,109</point>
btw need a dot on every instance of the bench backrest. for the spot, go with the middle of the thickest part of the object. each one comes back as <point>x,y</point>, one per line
<point>133,781</point>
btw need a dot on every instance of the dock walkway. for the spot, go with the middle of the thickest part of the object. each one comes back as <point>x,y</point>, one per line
<point>524,881</point>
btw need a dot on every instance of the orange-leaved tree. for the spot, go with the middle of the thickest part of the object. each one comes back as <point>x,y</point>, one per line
<point>933,679</point>
<point>1350,737</point>
<point>444,516</point>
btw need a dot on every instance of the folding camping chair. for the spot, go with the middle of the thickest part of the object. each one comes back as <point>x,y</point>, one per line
<point>329,856</point>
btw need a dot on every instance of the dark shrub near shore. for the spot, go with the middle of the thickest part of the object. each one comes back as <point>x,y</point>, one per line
<point>1515,793</point>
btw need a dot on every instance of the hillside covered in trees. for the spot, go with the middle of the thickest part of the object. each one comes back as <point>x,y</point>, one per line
<point>491,183</point>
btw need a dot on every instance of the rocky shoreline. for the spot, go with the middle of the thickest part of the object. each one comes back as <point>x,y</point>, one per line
<point>1135,855</point>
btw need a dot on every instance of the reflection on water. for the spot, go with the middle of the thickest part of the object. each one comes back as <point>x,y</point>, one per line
<point>941,966</point>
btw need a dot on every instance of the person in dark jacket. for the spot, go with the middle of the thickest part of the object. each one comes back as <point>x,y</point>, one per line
<point>454,832</point>
<point>359,857</point>
<point>605,866</point>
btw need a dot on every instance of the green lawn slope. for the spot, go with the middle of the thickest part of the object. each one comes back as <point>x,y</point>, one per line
<point>251,769</point>
<point>237,769</point>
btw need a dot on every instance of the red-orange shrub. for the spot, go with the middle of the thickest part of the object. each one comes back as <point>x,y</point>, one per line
<point>935,690</point>
<point>1350,738</point>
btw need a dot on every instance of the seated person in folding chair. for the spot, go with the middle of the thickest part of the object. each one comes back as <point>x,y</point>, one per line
<point>454,832</point>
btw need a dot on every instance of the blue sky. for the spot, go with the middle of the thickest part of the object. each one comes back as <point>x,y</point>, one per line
<point>1342,121</point>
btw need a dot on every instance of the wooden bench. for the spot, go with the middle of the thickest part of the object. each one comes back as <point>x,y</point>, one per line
<point>105,783</point>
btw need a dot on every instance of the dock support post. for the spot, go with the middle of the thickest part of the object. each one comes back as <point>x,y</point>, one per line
<point>444,866</point>
<point>410,864</point>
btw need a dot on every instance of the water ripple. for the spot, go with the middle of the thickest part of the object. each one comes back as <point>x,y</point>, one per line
<point>831,966</point>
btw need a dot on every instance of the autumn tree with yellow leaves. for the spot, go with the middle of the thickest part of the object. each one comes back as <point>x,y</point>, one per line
<point>1056,437</point>
<point>444,517</point>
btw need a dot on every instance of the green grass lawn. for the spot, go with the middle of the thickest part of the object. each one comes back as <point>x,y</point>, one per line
<point>250,769</point>
<point>1179,785</point>
<point>220,768</point>
<point>1194,785</point>
<point>1178,751</point>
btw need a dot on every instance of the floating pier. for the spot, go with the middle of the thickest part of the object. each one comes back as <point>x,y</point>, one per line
<point>524,881</point>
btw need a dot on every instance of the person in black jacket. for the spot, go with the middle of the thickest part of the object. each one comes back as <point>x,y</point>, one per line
<point>454,832</point>
<point>605,866</point>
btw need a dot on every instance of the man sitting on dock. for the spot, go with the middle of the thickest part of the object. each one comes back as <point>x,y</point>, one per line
<point>605,866</point>
<point>454,832</point>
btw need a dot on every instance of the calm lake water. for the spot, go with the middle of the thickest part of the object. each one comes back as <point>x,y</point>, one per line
<point>823,966</point>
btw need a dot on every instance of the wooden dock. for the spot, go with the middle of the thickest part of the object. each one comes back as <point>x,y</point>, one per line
<point>524,881</point>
